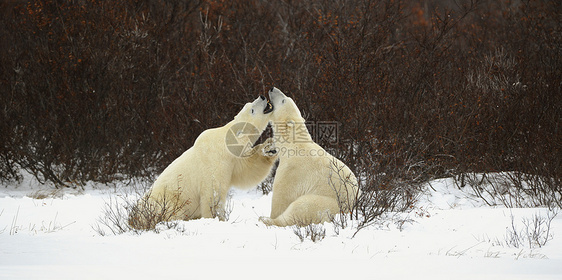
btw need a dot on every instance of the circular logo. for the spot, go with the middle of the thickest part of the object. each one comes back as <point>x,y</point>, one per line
<point>240,139</point>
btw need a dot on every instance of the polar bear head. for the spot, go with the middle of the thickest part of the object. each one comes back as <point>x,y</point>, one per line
<point>255,113</point>
<point>247,127</point>
<point>284,108</point>
<point>287,120</point>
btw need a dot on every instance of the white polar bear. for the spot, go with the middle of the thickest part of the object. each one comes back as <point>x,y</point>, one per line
<point>310,185</point>
<point>196,184</point>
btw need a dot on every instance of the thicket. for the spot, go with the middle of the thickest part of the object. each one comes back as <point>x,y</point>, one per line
<point>105,90</point>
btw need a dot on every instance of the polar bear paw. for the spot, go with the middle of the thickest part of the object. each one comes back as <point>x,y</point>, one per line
<point>266,220</point>
<point>268,148</point>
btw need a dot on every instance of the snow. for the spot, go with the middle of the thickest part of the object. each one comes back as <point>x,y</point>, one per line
<point>449,234</point>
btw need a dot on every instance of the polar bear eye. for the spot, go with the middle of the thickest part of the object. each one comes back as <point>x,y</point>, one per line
<point>252,111</point>
<point>283,101</point>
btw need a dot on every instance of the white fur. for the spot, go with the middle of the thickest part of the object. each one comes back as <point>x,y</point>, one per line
<point>310,185</point>
<point>196,184</point>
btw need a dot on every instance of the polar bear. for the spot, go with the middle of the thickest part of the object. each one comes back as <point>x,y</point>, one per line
<point>310,185</point>
<point>196,184</point>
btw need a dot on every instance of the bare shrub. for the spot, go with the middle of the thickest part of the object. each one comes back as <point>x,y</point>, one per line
<point>346,188</point>
<point>314,232</point>
<point>374,197</point>
<point>90,95</point>
<point>147,212</point>
<point>512,189</point>
<point>114,218</point>
<point>373,203</point>
<point>427,89</point>
<point>133,211</point>
<point>48,193</point>
<point>536,232</point>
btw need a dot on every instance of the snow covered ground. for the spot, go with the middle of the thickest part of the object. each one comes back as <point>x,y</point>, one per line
<point>449,235</point>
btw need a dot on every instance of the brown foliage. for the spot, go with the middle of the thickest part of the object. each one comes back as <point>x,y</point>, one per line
<point>94,90</point>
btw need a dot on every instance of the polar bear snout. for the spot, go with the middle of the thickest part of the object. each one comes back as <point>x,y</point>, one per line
<point>273,92</point>
<point>261,104</point>
<point>268,106</point>
<point>275,96</point>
